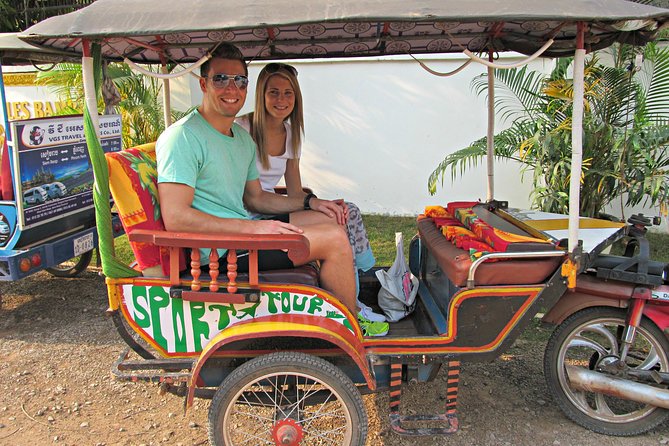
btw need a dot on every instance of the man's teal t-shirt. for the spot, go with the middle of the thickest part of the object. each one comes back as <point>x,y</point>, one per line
<point>216,166</point>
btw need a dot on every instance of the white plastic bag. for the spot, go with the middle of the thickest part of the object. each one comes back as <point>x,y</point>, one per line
<point>397,296</point>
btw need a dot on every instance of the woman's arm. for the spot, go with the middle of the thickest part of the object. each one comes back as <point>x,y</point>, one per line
<point>293,178</point>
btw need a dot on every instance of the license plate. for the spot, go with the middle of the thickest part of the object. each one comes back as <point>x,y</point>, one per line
<point>83,244</point>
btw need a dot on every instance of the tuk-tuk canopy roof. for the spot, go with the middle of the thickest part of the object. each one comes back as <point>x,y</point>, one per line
<point>184,30</point>
<point>14,51</point>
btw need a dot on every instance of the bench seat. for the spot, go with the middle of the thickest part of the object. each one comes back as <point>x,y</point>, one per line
<point>455,262</point>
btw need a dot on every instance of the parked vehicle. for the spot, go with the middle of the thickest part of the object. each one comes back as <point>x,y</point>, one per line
<point>55,189</point>
<point>284,361</point>
<point>64,244</point>
<point>35,195</point>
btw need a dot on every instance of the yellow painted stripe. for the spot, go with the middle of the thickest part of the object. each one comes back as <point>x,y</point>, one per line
<point>563,223</point>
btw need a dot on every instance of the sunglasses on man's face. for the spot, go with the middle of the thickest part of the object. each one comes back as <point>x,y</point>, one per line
<point>275,66</point>
<point>223,80</point>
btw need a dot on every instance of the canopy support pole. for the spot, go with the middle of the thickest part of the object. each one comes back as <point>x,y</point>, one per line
<point>491,132</point>
<point>576,138</point>
<point>3,104</point>
<point>571,266</point>
<point>167,106</point>
<point>90,97</point>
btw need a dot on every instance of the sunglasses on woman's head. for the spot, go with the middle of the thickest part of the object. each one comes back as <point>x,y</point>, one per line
<point>275,66</point>
<point>223,80</point>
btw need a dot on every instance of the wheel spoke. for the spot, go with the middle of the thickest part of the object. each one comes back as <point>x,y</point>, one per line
<point>253,437</point>
<point>581,399</point>
<point>328,432</point>
<point>651,360</point>
<point>602,407</point>
<point>252,415</point>
<point>581,341</point>
<point>602,330</point>
<point>316,415</point>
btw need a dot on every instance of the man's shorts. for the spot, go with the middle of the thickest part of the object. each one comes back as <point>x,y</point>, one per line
<point>267,259</point>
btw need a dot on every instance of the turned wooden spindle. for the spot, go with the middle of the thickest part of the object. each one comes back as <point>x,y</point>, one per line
<point>232,271</point>
<point>213,270</point>
<point>195,269</point>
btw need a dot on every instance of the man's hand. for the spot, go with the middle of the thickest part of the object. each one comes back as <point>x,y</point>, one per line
<point>274,227</point>
<point>336,209</point>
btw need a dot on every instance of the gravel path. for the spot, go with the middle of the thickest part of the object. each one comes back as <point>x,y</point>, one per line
<point>57,346</point>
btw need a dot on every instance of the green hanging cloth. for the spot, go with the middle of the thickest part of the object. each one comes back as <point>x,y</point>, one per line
<point>111,266</point>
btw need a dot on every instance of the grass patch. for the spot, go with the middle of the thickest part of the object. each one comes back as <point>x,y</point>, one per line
<point>381,233</point>
<point>659,246</point>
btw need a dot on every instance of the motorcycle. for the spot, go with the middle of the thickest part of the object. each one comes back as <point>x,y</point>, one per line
<point>606,363</point>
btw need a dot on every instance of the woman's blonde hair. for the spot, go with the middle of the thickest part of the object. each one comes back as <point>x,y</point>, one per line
<point>257,119</point>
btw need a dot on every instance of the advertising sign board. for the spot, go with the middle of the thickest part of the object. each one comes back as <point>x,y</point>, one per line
<point>55,176</point>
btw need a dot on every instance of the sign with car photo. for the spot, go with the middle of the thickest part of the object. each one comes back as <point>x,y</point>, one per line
<point>55,176</point>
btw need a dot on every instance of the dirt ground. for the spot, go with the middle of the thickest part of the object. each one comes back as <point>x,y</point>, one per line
<point>57,347</point>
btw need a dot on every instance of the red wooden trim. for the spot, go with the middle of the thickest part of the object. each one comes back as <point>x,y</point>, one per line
<point>232,271</point>
<point>226,240</point>
<point>213,270</point>
<point>207,296</point>
<point>195,270</point>
<point>174,266</point>
<point>253,267</point>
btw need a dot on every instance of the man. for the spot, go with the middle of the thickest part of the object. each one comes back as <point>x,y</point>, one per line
<point>207,175</point>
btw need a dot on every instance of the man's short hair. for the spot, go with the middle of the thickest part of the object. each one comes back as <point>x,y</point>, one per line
<point>224,51</point>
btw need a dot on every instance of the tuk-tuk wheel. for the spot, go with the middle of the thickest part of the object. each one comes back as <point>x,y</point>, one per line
<point>72,267</point>
<point>287,398</point>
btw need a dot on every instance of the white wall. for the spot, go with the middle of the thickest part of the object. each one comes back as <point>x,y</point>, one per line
<point>375,131</point>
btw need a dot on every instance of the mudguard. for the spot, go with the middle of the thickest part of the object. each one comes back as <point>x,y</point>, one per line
<point>286,326</point>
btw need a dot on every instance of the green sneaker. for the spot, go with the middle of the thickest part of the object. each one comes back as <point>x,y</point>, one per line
<point>370,328</point>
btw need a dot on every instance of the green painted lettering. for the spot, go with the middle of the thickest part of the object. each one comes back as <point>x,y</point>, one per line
<point>140,305</point>
<point>224,312</point>
<point>271,304</point>
<point>315,304</point>
<point>158,298</point>
<point>200,328</point>
<point>297,305</point>
<point>179,325</point>
<point>285,302</point>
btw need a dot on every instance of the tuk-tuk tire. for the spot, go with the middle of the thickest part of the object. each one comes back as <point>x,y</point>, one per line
<point>561,335</point>
<point>72,271</point>
<point>287,362</point>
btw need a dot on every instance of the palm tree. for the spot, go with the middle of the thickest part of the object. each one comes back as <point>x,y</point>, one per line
<point>625,131</point>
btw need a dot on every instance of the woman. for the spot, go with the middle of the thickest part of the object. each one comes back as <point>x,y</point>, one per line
<point>277,127</point>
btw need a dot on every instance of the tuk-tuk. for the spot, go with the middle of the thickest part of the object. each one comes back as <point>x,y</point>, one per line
<point>282,359</point>
<point>41,225</point>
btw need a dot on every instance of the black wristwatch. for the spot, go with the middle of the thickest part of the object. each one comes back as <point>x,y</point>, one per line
<point>308,197</point>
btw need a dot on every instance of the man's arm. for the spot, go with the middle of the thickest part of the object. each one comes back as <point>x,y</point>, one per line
<point>260,201</point>
<point>178,215</point>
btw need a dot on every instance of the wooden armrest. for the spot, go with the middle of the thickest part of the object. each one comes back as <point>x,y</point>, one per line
<point>296,244</point>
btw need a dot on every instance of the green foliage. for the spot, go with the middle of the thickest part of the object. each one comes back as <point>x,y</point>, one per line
<point>7,17</point>
<point>625,131</point>
<point>17,15</point>
<point>141,105</point>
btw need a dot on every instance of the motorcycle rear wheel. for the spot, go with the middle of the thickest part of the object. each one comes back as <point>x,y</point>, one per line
<point>584,339</point>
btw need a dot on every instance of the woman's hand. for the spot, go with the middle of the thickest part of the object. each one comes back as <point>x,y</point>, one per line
<point>336,209</point>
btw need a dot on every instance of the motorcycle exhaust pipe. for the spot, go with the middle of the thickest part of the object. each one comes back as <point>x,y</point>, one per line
<point>591,381</point>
